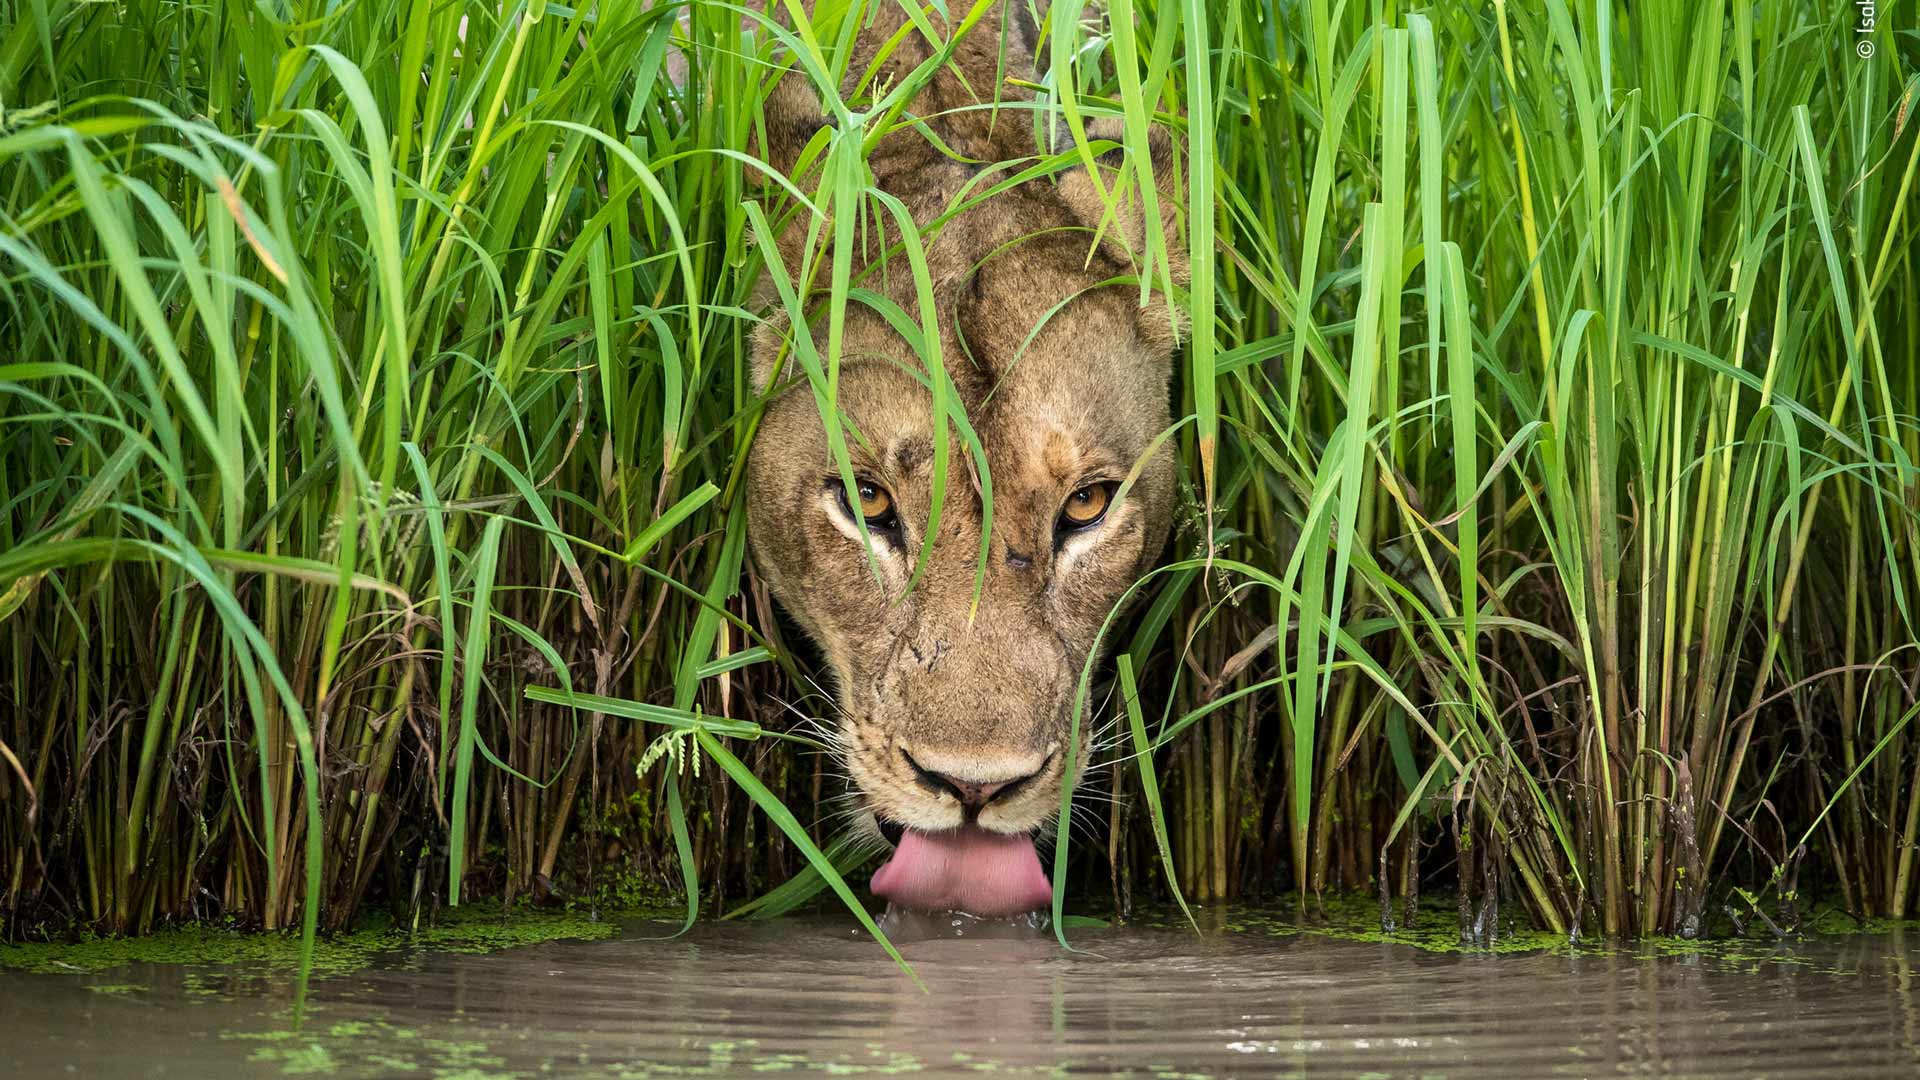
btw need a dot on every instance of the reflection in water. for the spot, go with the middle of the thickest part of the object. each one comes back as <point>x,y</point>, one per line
<point>905,925</point>
<point>809,995</point>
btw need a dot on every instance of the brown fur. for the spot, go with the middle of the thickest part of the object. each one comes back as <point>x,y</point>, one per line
<point>986,699</point>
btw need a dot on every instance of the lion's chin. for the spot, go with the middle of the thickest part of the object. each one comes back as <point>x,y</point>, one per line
<point>966,869</point>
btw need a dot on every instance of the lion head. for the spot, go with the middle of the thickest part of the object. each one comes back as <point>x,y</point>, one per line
<point>955,695</point>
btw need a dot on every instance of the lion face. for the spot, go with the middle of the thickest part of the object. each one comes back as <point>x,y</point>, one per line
<point>953,714</point>
<point>955,718</point>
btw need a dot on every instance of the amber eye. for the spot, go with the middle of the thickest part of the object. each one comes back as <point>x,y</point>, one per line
<point>1086,506</point>
<point>876,504</point>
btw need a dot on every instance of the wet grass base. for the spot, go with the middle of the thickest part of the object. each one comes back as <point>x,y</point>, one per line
<point>1433,926</point>
<point>470,930</point>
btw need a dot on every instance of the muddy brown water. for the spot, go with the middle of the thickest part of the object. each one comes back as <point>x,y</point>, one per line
<point>808,997</point>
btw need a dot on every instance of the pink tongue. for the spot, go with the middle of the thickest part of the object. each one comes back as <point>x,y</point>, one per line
<point>966,869</point>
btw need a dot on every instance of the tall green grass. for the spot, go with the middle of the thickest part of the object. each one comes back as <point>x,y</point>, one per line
<point>374,396</point>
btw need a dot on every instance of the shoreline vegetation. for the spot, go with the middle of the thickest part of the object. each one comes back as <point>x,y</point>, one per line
<point>373,399</point>
<point>470,930</point>
<point>1428,925</point>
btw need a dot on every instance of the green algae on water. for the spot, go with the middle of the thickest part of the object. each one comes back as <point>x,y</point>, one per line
<point>1434,927</point>
<point>308,1059</point>
<point>117,988</point>
<point>459,932</point>
<point>1834,921</point>
<point>356,1045</point>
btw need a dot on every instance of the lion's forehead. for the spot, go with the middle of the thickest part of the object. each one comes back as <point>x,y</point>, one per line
<point>1032,352</point>
<point>1039,436</point>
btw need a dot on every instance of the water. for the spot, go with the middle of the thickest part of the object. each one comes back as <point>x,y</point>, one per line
<point>808,996</point>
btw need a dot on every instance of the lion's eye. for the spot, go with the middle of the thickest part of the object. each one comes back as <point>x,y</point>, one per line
<point>1086,506</point>
<point>876,503</point>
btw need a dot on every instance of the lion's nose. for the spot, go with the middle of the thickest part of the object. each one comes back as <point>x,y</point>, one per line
<point>973,795</point>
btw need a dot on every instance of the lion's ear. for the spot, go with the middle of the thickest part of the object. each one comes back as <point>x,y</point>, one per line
<point>790,113</point>
<point>769,339</point>
<point>1123,232</point>
<point>790,117</point>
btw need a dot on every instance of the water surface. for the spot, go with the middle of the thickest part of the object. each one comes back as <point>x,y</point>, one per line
<point>809,996</point>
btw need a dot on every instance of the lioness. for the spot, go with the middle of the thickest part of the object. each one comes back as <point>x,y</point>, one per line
<point>954,728</point>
